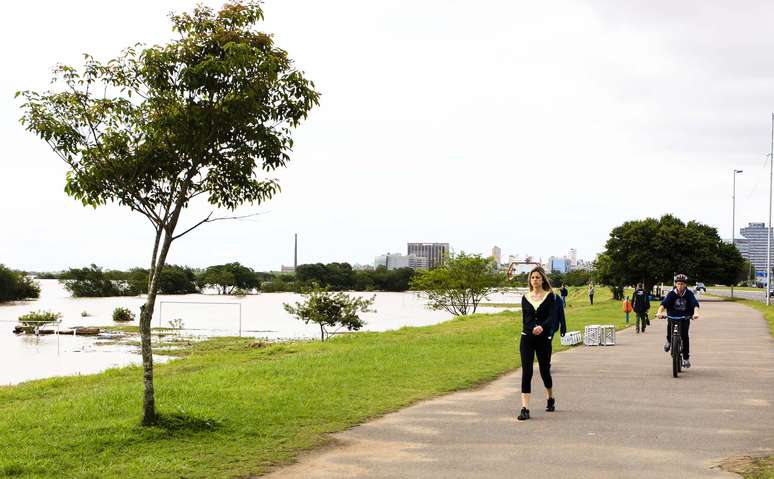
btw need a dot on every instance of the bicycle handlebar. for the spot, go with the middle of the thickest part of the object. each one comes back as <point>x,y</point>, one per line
<point>679,318</point>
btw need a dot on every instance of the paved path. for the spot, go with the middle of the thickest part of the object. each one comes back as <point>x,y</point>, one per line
<point>620,414</point>
<point>759,295</point>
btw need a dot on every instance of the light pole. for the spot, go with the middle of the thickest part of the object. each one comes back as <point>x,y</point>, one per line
<point>768,231</point>
<point>733,222</point>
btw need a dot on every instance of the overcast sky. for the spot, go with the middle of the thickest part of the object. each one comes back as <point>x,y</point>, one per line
<point>534,126</point>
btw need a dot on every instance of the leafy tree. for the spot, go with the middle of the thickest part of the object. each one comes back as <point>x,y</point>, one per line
<point>228,277</point>
<point>89,282</point>
<point>331,309</point>
<point>16,285</point>
<point>651,251</point>
<point>460,284</point>
<point>155,129</point>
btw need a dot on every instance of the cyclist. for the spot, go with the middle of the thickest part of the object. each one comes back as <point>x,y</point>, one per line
<point>680,302</point>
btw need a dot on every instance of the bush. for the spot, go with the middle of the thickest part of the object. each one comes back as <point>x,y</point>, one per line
<point>16,285</point>
<point>89,282</point>
<point>123,314</point>
<point>39,318</point>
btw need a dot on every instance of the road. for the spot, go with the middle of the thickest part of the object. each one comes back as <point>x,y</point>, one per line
<point>620,414</point>
<point>754,295</point>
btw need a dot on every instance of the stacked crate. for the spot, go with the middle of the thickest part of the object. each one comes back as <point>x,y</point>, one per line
<point>570,338</point>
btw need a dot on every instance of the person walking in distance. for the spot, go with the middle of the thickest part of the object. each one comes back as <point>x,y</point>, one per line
<point>563,293</point>
<point>680,302</point>
<point>539,317</point>
<point>640,305</point>
<point>591,293</point>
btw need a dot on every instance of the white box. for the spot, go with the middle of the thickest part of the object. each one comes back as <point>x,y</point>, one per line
<point>592,335</point>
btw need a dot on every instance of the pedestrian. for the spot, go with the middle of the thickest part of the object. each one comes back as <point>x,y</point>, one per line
<point>563,293</point>
<point>539,317</point>
<point>640,305</point>
<point>591,293</point>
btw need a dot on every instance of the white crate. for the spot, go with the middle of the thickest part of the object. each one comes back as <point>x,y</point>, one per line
<point>607,335</point>
<point>570,338</point>
<point>591,335</point>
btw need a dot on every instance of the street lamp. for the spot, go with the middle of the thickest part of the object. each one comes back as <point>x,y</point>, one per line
<point>733,222</point>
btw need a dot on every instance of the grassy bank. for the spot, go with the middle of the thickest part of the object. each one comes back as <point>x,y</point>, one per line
<point>235,407</point>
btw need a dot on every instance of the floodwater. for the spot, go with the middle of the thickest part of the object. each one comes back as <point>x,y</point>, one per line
<point>26,357</point>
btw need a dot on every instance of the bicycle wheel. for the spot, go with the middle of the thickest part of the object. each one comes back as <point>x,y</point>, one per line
<point>675,356</point>
<point>679,355</point>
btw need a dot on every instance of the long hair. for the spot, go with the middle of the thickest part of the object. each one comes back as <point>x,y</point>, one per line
<point>542,273</point>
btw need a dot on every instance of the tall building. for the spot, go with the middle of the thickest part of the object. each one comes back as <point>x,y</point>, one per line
<point>397,260</point>
<point>558,265</point>
<point>497,254</point>
<point>435,253</point>
<point>753,246</point>
<point>573,257</point>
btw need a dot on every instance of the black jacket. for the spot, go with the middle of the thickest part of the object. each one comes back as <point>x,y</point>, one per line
<point>640,301</point>
<point>560,324</point>
<point>544,316</point>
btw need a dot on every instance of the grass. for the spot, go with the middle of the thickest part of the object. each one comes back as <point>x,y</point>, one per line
<point>237,407</point>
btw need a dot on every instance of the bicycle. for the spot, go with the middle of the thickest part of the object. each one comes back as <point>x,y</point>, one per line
<point>676,343</point>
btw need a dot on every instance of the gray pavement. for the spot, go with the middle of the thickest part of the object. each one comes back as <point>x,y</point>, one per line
<point>754,295</point>
<point>620,414</point>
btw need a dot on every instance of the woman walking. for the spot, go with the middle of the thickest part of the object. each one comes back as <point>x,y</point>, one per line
<point>539,317</point>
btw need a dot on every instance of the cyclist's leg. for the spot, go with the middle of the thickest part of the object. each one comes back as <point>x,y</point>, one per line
<point>684,335</point>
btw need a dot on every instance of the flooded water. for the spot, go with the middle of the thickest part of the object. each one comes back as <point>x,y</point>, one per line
<point>25,357</point>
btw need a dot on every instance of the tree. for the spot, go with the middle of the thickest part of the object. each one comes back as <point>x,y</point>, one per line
<point>89,282</point>
<point>16,285</point>
<point>460,284</point>
<point>227,277</point>
<point>651,251</point>
<point>330,309</point>
<point>155,129</point>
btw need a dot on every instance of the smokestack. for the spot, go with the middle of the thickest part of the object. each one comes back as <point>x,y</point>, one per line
<point>295,253</point>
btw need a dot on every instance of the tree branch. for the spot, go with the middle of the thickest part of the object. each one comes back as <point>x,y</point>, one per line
<point>209,219</point>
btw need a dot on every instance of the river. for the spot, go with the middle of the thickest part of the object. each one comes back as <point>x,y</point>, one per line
<point>26,357</point>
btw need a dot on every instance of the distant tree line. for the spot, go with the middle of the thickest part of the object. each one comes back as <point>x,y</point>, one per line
<point>571,278</point>
<point>230,278</point>
<point>16,285</point>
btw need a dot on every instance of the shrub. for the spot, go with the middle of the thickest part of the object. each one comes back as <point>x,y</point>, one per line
<point>16,285</point>
<point>39,318</point>
<point>123,314</point>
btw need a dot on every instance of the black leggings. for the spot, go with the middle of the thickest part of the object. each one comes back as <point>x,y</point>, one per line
<point>529,345</point>
<point>685,325</point>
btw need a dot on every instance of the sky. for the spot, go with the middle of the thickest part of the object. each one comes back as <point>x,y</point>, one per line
<point>534,126</point>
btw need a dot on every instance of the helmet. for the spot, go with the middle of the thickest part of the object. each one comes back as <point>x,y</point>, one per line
<point>681,278</point>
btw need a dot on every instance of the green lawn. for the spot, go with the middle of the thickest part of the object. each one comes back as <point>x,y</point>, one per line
<point>229,409</point>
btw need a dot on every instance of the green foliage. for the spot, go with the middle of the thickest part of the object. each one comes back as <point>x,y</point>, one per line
<point>90,282</point>
<point>331,310</point>
<point>15,285</point>
<point>227,278</point>
<point>271,403</point>
<point>39,318</point>
<point>206,115</point>
<point>460,284</point>
<point>651,251</point>
<point>341,277</point>
<point>123,314</point>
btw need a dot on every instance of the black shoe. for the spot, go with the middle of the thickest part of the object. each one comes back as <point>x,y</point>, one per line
<point>523,415</point>
<point>638,331</point>
<point>666,347</point>
<point>551,405</point>
<point>686,364</point>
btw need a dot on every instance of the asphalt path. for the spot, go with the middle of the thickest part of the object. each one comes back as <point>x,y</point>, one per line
<point>754,295</point>
<point>620,414</point>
